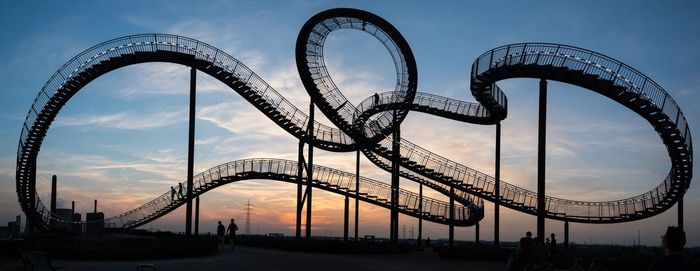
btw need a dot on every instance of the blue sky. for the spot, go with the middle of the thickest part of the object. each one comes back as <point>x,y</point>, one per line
<point>123,138</point>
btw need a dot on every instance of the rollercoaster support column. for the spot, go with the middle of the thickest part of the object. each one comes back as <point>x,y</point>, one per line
<point>680,212</point>
<point>357,195</point>
<point>346,216</point>
<point>53,193</point>
<point>190,150</point>
<point>309,169</point>
<point>497,202</point>
<point>300,172</point>
<point>420,217</point>
<point>396,155</point>
<point>196,216</point>
<point>541,144</point>
<point>452,216</point>
<point>566,236</point>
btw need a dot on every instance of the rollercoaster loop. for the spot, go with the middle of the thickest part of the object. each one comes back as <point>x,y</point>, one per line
<point>368,126</point>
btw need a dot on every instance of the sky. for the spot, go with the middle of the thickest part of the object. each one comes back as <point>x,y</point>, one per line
<point>123,138</point>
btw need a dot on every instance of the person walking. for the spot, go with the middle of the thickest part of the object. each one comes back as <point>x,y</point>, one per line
<point>220,231</point>
<point>172,194</point>
<point>179,191</point>
<point>232,228</point>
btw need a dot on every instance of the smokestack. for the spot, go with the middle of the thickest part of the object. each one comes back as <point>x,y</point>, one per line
<point>95,207</point>
<point>72,208</point>
<point>53,194</point>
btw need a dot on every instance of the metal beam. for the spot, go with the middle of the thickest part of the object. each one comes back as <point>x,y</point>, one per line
<point>541,144</point>
<point>566,236</point>
<point>452,216</point>
<point>396,156</point>
<point>420,217</point>
<point>196,216</point>
<point>680,212</point>
<point>497,202</point>
<point>190,150</point>
<point>309,169</point>
<point>357,195</point>
<point>346,216</point>
<point>53,193</point>
<point>300,204</point>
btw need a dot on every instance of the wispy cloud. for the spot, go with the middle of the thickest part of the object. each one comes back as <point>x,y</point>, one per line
<point>125,120</point>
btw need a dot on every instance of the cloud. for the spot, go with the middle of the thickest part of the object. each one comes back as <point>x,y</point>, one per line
<point>125,120</point>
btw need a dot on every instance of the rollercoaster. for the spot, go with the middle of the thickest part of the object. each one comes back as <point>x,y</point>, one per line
<point>373,126</point>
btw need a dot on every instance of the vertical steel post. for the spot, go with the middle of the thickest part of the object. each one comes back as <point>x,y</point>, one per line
<point>497,202</point>
<point>566,235</point>
<point>680,213</point>
<point>53,193</point>
<point>346,217</point>
<point>300,172</point>
<point>309,169</point>
<point>541,144</point>
<point>452,215</point>
<point>190,150</point>
<point>196,216</point>
<point>357,195</point>
<point>420,217</point>
<point>395,161</point>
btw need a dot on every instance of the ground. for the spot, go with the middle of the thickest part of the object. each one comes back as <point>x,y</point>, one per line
<point>259,259</point>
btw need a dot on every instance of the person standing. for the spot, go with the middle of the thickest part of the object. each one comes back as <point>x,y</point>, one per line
<point>220,231</point>
<point>524,252</point>
<point>232,228</point>
<point>172,194</point>
<point>673,243</point>
<point>552,245</point>
<point>179,191</point>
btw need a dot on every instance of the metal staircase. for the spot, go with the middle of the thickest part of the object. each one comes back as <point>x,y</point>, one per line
<point>329,179</point>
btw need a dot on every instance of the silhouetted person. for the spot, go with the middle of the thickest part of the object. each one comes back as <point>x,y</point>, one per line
<point>376,99</point>
<point>524,252</point>
<point>172,193</point>
<point>553,245</point>
<point>220,231</point>
<point>179,191</point>
<point>232,228</point>
<point>673,242</point>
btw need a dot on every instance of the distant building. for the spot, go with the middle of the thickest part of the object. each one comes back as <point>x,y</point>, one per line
<point>12,230</point>
<point>95,222</point>
<point>64,224</point>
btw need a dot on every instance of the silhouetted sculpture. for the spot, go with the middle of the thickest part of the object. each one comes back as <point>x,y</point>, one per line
<point>232,228</point>
<point>220,231</point>
<point>553,245</point>
<point>673,243</point>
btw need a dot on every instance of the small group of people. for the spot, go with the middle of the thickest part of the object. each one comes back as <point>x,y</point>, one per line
<point>221,231</point>
<point>531,252</point>
<point>179,192</point>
